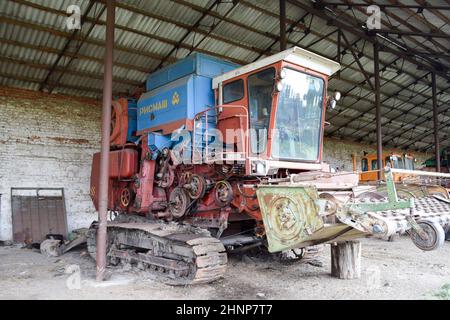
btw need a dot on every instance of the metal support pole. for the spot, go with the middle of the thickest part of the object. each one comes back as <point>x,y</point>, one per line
<point>339,50</point>
<point>104,158</point>
<point>282,25</point>
<point>435,124</point>
<point>378,110</point>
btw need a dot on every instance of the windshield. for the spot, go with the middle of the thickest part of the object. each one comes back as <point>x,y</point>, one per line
<point>409,163</point>
<point>398,162</point>
<point>299,117</point>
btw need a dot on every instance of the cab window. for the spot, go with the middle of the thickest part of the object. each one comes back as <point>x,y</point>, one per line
<point>364,165</point>
<point>260,88</point>
<point>233,91</point>
<point>398,162</point>
<point>409,163</point>
<point>374,165</point>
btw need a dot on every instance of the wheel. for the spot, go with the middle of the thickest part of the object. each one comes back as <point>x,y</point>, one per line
<point>223,193</point>
<point>178,202</point>
<point>198,187</point>
<point>125,197</point>
<point>435,233</point>
<point>371,196</point>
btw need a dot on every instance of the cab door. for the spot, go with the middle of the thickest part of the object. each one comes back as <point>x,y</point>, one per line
<point>369,168</point>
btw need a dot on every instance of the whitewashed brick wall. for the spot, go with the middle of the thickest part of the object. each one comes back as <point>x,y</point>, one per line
<point>47,141</point>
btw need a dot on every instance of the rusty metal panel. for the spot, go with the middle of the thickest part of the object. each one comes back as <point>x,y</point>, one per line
<point>37,212</point>
<point>290,215</point>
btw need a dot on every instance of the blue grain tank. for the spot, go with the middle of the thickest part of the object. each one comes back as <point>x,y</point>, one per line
<point>176,93</point>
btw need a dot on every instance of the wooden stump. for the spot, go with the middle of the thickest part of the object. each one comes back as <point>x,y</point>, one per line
<point>346,260</point>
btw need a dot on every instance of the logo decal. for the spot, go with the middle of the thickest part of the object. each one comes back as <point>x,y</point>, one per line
<point>175,98</point>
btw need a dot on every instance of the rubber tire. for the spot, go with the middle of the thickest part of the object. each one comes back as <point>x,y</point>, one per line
<point>439,232</point>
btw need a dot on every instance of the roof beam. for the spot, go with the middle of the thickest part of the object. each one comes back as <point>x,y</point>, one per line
<point>340,4</point>
<point>361,34</point>
<point>187,33</point>
<point>68,54</point>
<point>66,46</point>
<point>288,31</point>
<point>410,26</point>
<point>426,133</point>
<point>153,56</point>
<point>444,107</point>
<point>413,27</point>
<point>434,11</point>
<point>77,49</point>
<point>118,26</point>
<point>410,33</point>
<point>317,34</point>
<point>371,109</point>
<point>186,26</point>
<point>210,32</point>
<point>355,56</point>
<point>90,75</point>
<point>68,86</point>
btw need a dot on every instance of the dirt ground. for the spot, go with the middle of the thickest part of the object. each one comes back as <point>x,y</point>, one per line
<point>390,270</point>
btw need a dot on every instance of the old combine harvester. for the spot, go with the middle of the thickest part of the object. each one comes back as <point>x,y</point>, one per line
<point>215,157</point>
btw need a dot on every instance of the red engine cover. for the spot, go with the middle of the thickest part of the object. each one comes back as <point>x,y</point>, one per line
<point>123,164</point>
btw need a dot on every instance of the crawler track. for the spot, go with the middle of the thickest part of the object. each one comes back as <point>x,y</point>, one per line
<point>176,254</point>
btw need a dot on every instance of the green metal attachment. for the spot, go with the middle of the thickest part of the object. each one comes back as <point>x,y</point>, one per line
<point>392,204</point>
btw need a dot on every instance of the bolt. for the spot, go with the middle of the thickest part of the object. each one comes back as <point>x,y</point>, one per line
<point>377,228</point>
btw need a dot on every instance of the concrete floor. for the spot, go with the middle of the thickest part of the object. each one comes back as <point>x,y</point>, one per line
<point>390,270</point>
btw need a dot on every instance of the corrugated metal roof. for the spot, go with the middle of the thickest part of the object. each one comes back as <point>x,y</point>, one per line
<point>33,35</point>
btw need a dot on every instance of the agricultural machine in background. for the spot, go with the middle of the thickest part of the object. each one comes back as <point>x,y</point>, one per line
<point>409,183</point>
<point>369,165</point>
<point>215,158</point>
<point>430,164</point>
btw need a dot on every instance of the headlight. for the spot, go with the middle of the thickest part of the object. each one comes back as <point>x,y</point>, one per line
<point>259,168</point>
<point>337,95</point>
<point>332,103</point>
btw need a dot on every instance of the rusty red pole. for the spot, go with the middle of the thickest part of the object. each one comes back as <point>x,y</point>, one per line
<point>282,25</point>
<point>104,158</point>
<point>435,124</point>
<point>376,72</point>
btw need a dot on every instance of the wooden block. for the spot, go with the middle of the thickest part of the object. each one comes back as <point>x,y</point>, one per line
<point>346,260</point>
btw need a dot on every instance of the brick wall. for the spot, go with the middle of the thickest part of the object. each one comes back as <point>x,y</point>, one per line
<point>47,141</point>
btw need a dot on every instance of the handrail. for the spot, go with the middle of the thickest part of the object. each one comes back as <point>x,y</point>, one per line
<point>219,110</point>
<point>421,173</point>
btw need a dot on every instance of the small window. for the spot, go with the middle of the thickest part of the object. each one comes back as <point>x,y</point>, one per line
<point>374,164</point>
<point>233,91</point>
<point>364,165</point>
